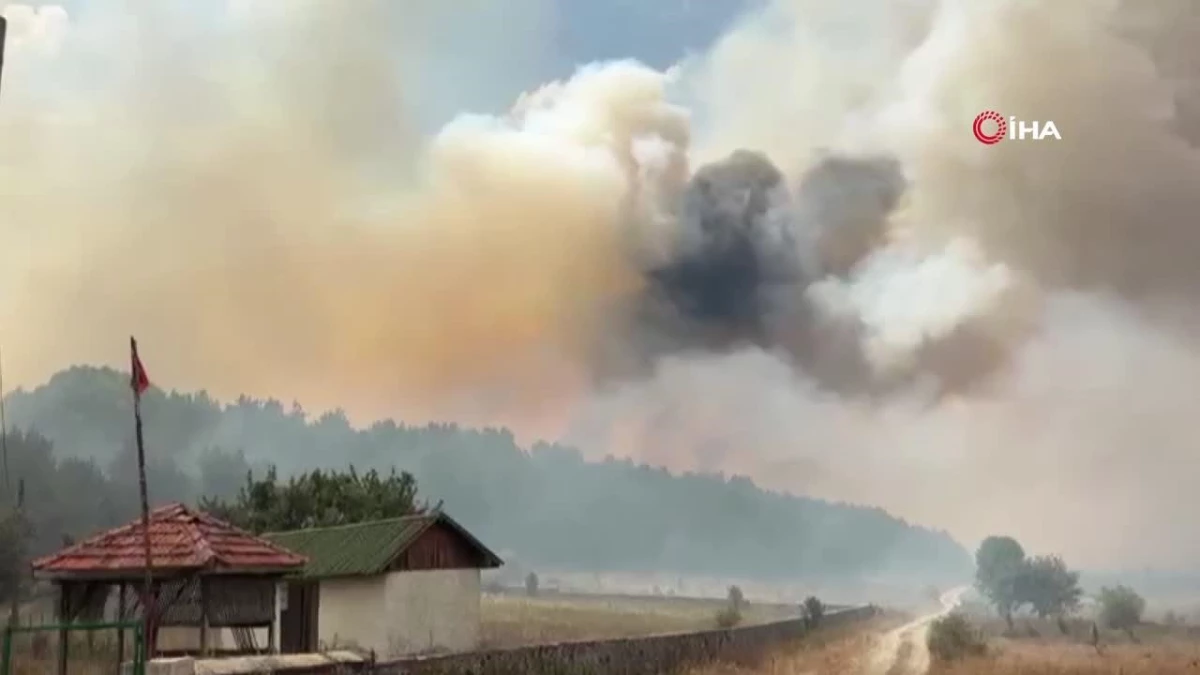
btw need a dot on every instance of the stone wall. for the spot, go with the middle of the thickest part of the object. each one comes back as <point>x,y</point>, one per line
<point>652,655</point>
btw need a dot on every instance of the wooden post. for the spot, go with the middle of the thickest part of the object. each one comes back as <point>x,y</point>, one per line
<point>273,627</point>
<point>273,632</point>
<point>120,631</point>
<point>204,648</point>
<point>64,616</point>
<point>152,637</point>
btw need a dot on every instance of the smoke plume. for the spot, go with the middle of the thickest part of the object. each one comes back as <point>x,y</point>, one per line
<point>786,257</point>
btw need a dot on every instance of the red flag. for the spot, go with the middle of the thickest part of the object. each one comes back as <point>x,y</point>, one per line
<point>138,379</point>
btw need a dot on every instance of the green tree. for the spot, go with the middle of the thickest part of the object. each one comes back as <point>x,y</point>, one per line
<point>1049,587</point>
<point>999,563</point>
<point>735,598</point>
<point>814,610</point>
<point>14,554</point>
<point>317,499</point>
<point>1121,608</point>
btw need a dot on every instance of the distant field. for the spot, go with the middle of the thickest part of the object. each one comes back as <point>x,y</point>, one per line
<point>1041,649</point>
<point>512,619</point>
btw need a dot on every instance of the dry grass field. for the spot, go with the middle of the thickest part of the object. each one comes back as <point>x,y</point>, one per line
<point>1041,649</point>
<point>1050,658</point>
<point>510,619</point>
<point>1159,651</point>
<point>836,651</point>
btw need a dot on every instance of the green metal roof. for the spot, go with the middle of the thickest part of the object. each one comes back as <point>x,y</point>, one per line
<point>365,549</point>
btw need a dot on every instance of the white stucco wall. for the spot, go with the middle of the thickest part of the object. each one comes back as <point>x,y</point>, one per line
<point>402,613</point>
<point>435,610</point>
<point>353,614</point>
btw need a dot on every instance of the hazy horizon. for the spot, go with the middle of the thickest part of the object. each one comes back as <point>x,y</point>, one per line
<point>756,238</point>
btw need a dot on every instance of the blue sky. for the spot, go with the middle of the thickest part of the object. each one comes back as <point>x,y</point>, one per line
<point>490,52</point>
<point>572,32</point>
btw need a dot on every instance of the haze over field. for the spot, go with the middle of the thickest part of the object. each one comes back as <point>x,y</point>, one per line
<point>784,256</point>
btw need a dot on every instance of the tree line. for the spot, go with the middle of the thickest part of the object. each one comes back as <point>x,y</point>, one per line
<point>546,505</point>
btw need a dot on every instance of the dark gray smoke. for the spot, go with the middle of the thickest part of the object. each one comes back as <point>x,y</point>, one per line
<point>749,248</point>
<point>737,257</point>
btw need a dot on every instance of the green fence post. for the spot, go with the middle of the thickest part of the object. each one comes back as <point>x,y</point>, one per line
<point>139,650</point>
<point>6,663</point>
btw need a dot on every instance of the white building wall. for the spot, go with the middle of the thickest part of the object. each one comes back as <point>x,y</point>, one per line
<point>435,610</point>
<point>352,613</point>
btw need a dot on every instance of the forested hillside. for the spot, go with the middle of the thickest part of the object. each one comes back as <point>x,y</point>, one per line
<point>545,504</point>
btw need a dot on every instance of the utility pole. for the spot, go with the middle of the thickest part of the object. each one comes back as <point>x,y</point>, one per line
<point>16,517</point>
<point>3,31</point>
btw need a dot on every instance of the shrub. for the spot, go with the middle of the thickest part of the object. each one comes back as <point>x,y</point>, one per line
<point>1121,608</point>
<point>952,637</point>
<point>728,617</point>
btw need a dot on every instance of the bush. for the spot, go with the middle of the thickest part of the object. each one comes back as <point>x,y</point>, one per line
<point>952,637</point>
<point>1121,608</point>
<point>728,617</point>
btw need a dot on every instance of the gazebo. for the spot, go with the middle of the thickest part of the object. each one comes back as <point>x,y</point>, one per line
<point>206,574</point>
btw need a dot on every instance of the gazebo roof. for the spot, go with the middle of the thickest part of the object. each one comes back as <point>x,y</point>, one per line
<point>181,540</point>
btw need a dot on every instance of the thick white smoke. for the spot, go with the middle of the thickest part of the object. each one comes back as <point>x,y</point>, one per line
<point>508,249</point>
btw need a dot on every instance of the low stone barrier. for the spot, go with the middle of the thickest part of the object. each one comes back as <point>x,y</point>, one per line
<point>651,655</point>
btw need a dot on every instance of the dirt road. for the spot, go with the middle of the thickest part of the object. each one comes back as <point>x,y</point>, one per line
<point>903,651</point>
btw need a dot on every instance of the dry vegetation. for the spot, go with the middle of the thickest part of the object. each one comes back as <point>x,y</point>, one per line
<point>831,652</point>
<point>37,654</point>
<point>1041,649</point>
<point>511,620</point>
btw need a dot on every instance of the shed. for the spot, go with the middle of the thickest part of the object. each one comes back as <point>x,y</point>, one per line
<point>206,574</point>
<point>394,587</point>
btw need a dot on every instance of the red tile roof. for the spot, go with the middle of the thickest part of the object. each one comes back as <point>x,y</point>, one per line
<point>180,539</point>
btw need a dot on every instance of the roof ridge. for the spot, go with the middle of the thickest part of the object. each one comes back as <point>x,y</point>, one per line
<point>364,523</point>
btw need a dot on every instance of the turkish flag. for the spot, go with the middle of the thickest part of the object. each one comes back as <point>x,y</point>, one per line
<point>138,378</point>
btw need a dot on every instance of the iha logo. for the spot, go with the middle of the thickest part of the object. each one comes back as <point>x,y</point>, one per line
<point>990,128</point>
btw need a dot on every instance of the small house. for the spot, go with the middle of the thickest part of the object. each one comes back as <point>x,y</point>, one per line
<point>393,587</point>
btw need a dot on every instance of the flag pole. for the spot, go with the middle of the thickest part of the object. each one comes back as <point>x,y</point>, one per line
<point>139,383</point>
